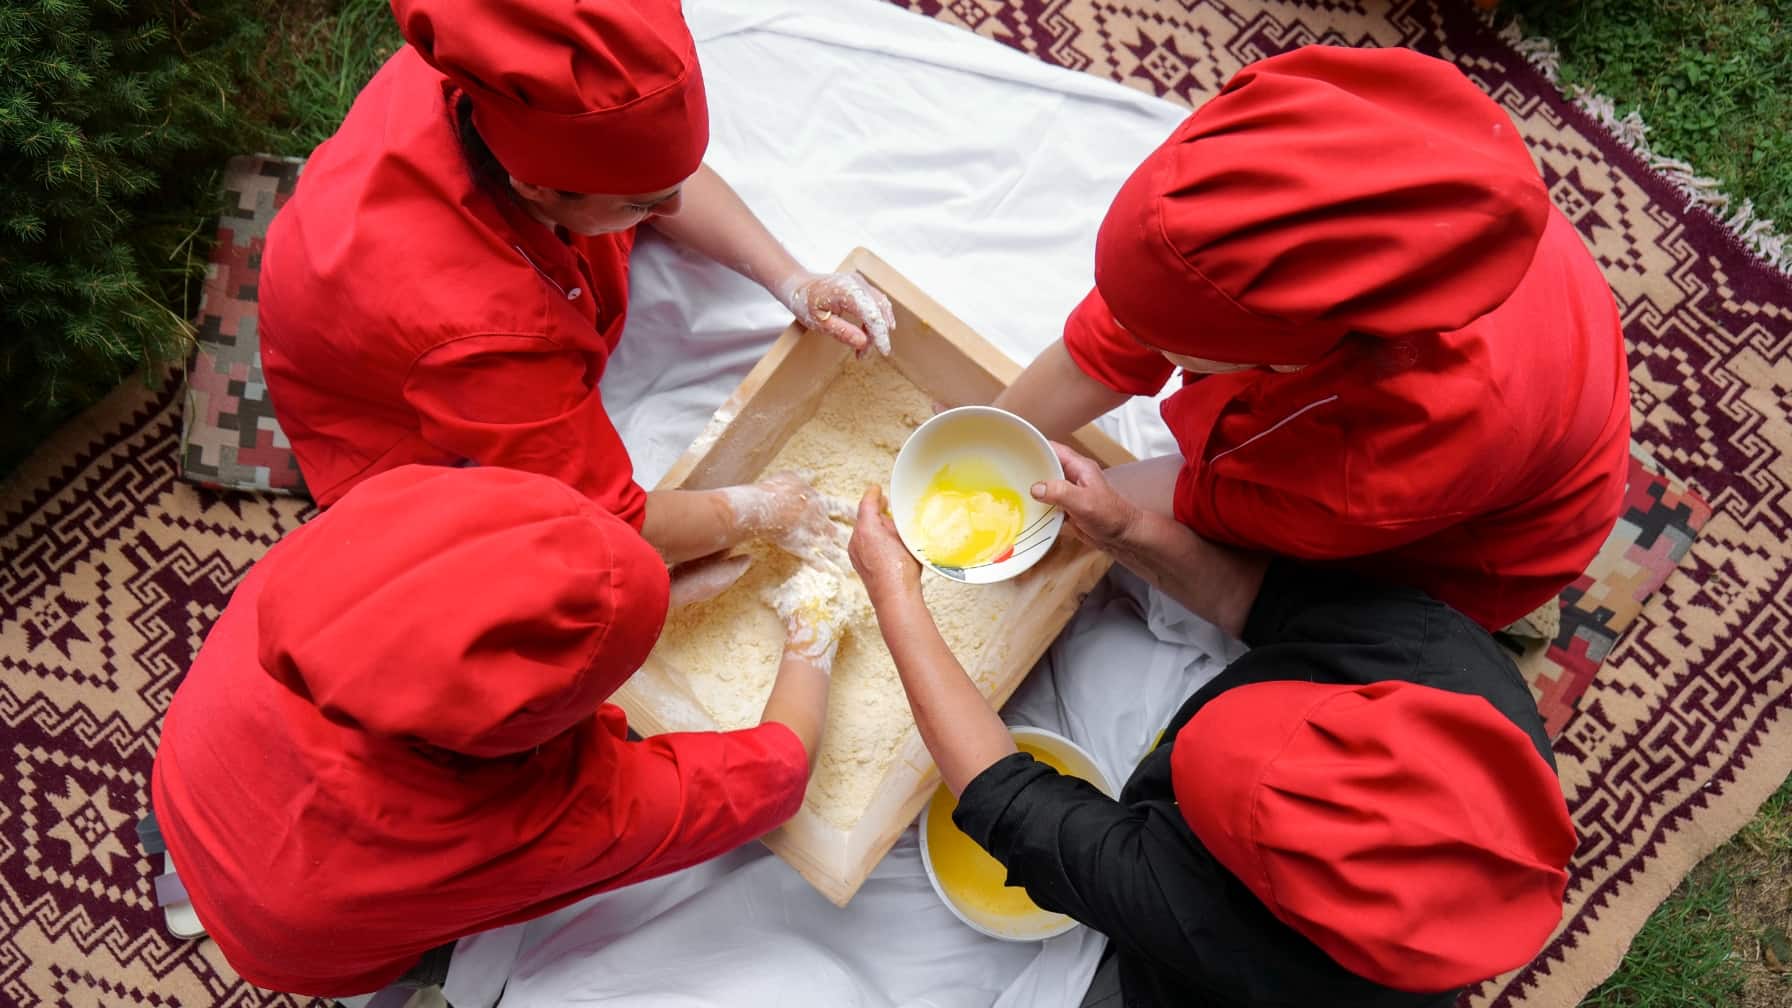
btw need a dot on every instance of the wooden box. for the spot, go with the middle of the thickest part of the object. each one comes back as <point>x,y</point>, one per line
<point>946,360</point>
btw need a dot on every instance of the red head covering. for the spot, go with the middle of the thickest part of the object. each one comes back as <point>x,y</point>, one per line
<point>482,611</point>
<point>1415,835</point>
<point>590,96</point>
<point>1324,191</point>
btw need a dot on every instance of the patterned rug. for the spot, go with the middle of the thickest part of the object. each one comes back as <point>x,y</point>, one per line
<point>111,570</point>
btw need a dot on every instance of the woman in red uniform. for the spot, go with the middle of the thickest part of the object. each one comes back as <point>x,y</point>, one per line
<point>1396,353</point>
<point>451,276</point>
<point>396,734</point>
<point>1360,812</point>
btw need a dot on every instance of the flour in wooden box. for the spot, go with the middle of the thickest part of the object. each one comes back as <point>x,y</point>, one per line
<point>728,648</point>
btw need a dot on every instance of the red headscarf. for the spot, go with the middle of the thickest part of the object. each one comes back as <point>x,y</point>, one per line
<point>589,96</point>
<point>1415,835</point>
<point>307,781</point>
<point>1324,191</point>
<point>483,628</point>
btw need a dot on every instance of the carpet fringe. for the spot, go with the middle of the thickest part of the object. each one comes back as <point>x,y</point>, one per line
<point>1751,230</point>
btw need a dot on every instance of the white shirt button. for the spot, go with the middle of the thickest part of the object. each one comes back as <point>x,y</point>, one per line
<point>573,295</point>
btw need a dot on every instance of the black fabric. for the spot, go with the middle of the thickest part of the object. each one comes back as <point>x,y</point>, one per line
<point>1186,931</point>
<point>149,834</point>
<point>430,971</point>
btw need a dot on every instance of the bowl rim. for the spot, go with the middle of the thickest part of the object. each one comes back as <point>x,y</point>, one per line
<point>1054,517</point>
<point>1020,733</point>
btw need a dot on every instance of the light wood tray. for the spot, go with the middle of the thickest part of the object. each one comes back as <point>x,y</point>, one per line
<point>954,366</point>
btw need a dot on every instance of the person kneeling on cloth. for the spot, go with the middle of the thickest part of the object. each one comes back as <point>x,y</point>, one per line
<point>1396,354</point>
<point>450,280</point>
<point>1361,811</point>
<point>396,735</point>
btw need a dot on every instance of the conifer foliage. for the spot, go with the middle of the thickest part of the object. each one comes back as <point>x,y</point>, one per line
<point>115,118</point>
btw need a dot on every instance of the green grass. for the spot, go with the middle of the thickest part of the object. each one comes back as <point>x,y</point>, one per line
<point>327,51</point>
<point>1701,948</point>
<point>1712,78</point>
<point>1684,954</point>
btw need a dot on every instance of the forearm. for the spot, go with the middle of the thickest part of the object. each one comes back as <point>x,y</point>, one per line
<point>686,524</point>
<point>1082,853</point>
<point>799,701</point>
<point>716,223</point>
<point>1217,583</point>
<point>1056,396</point>
<point>962,732</point>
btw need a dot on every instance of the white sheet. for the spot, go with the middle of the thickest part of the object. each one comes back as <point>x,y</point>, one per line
<point>981,174</point>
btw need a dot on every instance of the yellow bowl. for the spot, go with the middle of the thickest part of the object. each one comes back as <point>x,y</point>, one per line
<point>969,881</point>
<point>987,437</point>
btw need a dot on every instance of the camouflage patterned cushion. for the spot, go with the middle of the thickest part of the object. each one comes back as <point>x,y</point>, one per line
<point>229,438</point>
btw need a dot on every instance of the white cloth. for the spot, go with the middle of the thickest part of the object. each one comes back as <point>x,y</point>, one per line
<point>978,172</point>
<point>982,175</point>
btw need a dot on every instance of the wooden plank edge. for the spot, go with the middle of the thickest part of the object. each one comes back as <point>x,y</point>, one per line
<point>1091,440</point>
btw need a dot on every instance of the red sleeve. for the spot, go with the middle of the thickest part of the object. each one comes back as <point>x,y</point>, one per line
<point>684,797</point>
<point>1108,353</point>
<point>524,402</point>
<point>1287,521</point>
<point>1318,483</point>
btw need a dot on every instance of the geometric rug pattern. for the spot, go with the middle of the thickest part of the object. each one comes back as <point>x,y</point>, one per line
<point>1687,726</point>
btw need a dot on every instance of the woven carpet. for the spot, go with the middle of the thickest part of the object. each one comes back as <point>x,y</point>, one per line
<point>111,571</point>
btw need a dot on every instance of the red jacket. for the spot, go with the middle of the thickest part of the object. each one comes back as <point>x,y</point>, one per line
<point>395,735</point>
<point>408,316</point>
<point>1484,465</point>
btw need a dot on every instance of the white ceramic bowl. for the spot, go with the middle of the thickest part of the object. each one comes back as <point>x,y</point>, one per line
<point>1017,451</point>
<point>1041,924</point>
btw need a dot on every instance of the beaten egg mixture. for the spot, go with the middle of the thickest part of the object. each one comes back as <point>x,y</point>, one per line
<point>968,515</point>
<point>973,878</point>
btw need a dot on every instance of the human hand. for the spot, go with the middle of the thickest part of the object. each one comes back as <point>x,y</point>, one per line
<point>842,305</point>
<point>704,578</point>
<point>1094,510</point>
<point>811,604</point>
<point>801,520</point>
<point>883,563</point>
